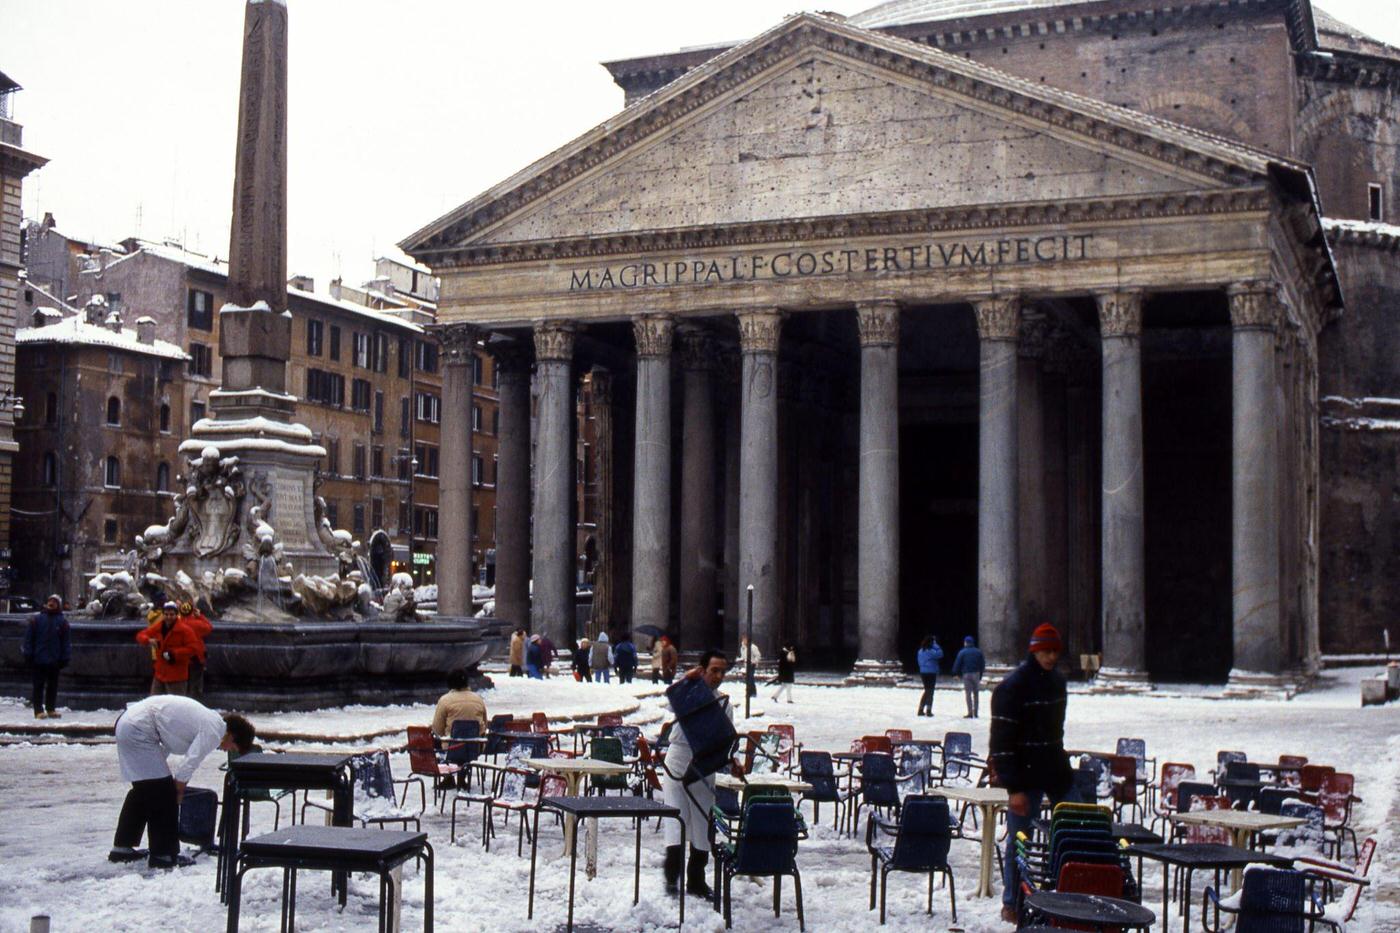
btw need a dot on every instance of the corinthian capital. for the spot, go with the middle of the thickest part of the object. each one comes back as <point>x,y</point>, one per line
<point>653,334</point>
<point>697,347</point>
<point>878,323</point>
<point>458,341</point>
<point>554,340</point>
<point>998,317</point>
<point>1254,305</point>
<point>512,356</point>
<point>759,331</point>
<point>1120,314</point>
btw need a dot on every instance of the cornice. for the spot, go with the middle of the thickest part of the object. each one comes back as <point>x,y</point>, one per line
<point>1384,237</point>
<point>851,226</point>
<point>1341,66</point>
<point>807,32</point>
<point>1120,314</point>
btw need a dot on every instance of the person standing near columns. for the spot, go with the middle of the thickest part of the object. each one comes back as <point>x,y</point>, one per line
<point>651,514</point>
<point>758,471</point>
<point>513,483</point>
<point>1124,563</point>
<point>1254,314</point>
<point>878,534</point>
<point>454,552</point>
<point>551,609</point>
<point>698,564</point>
<point>998,620</point>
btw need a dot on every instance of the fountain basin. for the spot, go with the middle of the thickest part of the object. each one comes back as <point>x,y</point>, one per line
<point>265,666</point>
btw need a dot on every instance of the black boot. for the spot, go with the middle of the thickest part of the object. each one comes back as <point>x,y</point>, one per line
<point>695,882</point>
<point>672,867</point>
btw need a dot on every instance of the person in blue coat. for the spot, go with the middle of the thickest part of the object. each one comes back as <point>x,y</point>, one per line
<point>625,658</point>
<point>929,655</point>
<point>47,648</point>
<point>971,665</point>
<point>534,658</point>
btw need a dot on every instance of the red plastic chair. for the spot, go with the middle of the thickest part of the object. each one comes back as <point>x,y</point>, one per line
<point>1289,770</point>
<point>1123,770</point>
<point>899,735</point>
<point>1171,775</point>
<point>878,743</point>
<point>610,719</point>
<point>1086,878</point>
<point>422,759</point>
<point>1335,797</point>
<point>786,745</point>
<point>1217,835</point>
<point>1310,780</point>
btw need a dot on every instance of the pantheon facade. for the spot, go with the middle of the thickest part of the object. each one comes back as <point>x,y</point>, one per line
<point>946,318</point>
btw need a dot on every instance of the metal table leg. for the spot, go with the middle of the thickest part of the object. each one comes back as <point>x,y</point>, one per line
<point>534,847</point>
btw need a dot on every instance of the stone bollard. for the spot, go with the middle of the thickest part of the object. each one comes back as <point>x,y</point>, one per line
<point>1373,691</point>
<point>39,923</point>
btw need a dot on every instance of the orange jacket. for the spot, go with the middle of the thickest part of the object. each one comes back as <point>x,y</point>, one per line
<point>200,627</point>
<point>180,641</point>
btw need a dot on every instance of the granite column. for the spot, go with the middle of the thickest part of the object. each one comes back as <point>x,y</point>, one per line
<point>878,525</point>
<point>758,474</point>
<point>513,485</point>
<point>698,564</point>
<point>454,552</point>
<point>998,627</point>
<point>651,511</point>
<point>552,608</point>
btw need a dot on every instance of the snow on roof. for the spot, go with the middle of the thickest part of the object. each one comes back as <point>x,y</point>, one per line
<point>1369,232</point>
<point>77,332</point>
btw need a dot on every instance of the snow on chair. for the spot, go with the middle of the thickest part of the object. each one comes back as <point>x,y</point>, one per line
<point>375,798</point>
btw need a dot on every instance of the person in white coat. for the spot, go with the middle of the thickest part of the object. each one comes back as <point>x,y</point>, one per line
<point>148,733</point>
<point>695,799</point>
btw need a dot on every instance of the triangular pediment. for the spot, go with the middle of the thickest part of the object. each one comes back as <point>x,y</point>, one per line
<point>818,119</point>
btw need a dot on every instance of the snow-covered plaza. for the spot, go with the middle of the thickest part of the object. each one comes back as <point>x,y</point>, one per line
<point>61,796</point>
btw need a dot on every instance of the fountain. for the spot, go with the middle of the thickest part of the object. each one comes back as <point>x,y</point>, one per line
<point>297,625</point>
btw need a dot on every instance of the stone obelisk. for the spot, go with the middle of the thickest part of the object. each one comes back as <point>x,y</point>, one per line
<point>252,410</point>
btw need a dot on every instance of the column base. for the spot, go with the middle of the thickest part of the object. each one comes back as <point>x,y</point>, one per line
<point>1262,685</point>
<point>1120,680</point>
<point>873,672</point>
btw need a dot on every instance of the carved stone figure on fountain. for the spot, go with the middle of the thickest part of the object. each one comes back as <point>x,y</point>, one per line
<point>115,595</point>
<point>399,602</point>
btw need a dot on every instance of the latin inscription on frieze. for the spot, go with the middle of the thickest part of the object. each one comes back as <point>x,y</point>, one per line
<point>874,260</point>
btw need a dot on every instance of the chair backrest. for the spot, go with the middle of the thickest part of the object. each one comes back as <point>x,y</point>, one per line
<point>877,743</point>
<point>1103,776</point>
<point>727,799</point>
<point>628,736</point>
<point>515,782</point>
<point>196,822</point>
<point>1272,901</point>
<point>957,748</point>
<point>495,741</point>
<point>422,759</point>
<point>373,775</point>
<point>787,741</point>
<point>1135,749</point>
<point>606,748</point>
<point>553,785</point>
<point>1289,769</point>
<point>1084,785</point>
<point>925,833</point>
<point>1241,771</point>
<point>1223,758</point>
<point>1311,835</point>
<point>1272,799</point>
<point>1090,878</point>
<point>816,769</point>
<point>914,761</point>
<point>857,746</point>
<point>1310,777</point>
<point>899,735</point>
<point>1187,791</point>
<point>1218,835</point>
<point>1125,768</point>
<point>1173,773</point>
<point>466,752</point>
<point>757,790</point>
<point>610,719</point>
<point>539,722</point>
<point>520,726</point>
<point>877,780</point>
<point>528,746</point>
<point>767,840</point>
<point>1334,796</point>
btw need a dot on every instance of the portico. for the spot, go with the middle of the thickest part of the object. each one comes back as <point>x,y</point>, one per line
<point>956,316</point>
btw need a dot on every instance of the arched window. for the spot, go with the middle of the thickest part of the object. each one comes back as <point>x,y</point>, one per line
<point>163,478</point>
<point>112,474</point>
<point>50,468</point>
<point>114,410</point>
<point>165,418</point>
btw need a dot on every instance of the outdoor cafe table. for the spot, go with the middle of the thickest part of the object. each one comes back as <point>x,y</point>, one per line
<point>1194,855</point>
<point>989,800</point>
<point>1096,910</point>
<point>597,808</point>
<point>574,770</point>
<point>338,849</point>
<point>258,771</point>
<point>1242,824</point>
<point>791,785</point>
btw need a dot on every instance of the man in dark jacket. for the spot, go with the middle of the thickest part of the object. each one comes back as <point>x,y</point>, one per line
<point>625,658</point>
<point>48,649</point>
<point>971,665</point>
<point>1027,746</point>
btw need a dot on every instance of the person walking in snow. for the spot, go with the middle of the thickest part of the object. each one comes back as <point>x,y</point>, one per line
<point>149,732</point>
<point>787,672</point>
<point>580,661</point>
<point>1026,747</point>
<point>752,658</point>
<point>547,653</point>
<point>534,658</point>
<point>47,648</point>
<point>625,658</point>
<point>517,652</point>
<point>600,658</point>
<point>928,656</point>
<point>971,665</point>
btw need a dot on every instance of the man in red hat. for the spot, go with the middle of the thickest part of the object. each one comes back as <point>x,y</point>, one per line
<point>1027,746</point>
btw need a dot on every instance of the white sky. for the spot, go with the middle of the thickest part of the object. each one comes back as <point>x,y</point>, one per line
<point>398,111</point>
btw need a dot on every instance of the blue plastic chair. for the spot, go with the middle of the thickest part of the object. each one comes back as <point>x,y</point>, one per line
<point>1273,900</point>
<point>920,841</point>
<point>915,761</point>
<point>463,753</point>
<point>879,787</point>
<point>816,768</point>
<point>764,846</point>
<point>374,781</point>
<point>957,757</point>
<point>496,739</point>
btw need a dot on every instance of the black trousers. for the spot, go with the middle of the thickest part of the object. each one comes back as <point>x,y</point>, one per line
<point>45,686</point>
<point>926,700</point>
<point>152,808</point>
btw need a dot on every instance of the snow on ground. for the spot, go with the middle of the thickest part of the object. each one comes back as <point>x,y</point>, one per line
<point>61,802</point>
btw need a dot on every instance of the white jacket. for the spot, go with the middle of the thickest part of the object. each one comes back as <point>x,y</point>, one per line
<point>152,730</point>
